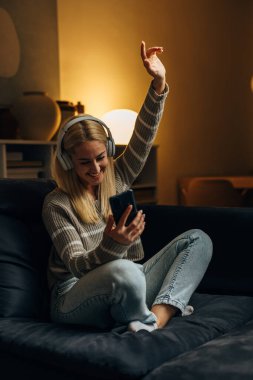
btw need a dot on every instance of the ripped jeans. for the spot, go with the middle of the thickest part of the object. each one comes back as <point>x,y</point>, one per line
<point>122,291</point>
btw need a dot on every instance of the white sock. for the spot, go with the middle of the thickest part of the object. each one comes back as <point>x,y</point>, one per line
<point>187,311</point>
<point>137,326</point>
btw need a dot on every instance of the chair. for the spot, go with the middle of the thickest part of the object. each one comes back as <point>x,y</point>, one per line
<point>208,192</point>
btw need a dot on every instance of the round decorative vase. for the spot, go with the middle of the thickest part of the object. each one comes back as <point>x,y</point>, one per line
<point>38,116</point>
<point>67,109</point>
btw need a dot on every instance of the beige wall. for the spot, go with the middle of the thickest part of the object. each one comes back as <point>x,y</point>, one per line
<point>36,26</point>
<point>207,124</point>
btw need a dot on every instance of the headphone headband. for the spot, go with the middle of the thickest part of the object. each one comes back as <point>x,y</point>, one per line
<point>63,157</point>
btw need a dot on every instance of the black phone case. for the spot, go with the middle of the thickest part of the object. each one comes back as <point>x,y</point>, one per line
<point>119,203</point>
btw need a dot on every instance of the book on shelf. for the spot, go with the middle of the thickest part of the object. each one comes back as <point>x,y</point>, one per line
<point>24,164</point>
<point>24,172</point>
<point>14,156</point>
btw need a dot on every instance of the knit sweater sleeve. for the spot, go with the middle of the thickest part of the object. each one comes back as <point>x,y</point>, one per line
<point>81,250</point>
<point>131,162</point>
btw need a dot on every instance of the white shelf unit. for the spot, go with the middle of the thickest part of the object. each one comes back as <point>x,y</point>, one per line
<point>32,151</point>
<point>145,186</point>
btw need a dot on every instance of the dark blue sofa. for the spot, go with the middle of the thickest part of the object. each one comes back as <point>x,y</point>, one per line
<point>216,342</point>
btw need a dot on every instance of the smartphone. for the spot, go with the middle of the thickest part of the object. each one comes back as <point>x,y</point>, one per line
<point>119,203</point>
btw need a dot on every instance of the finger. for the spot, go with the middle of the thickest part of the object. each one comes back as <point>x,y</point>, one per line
<point>136,222</point>
<point>143,50</point>
<point>137,233</point>
<point>139,217</point>
<point>110,223</point>
<point>154,50</point>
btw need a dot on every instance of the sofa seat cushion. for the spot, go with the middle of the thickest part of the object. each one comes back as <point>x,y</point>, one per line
<point>105,355</point>
<point>226,357</point>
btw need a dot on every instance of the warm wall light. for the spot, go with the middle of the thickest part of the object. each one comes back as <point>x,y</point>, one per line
<point>121,123</point>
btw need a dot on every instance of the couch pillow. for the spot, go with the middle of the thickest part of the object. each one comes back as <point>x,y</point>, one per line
<point>226,357</point>
<point>22,288</point>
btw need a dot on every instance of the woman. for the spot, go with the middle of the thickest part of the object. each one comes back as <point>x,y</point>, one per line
<point>92,273</point>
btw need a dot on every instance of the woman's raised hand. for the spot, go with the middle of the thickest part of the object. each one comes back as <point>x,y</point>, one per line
<point>154,66</point>
<point>126,234</point>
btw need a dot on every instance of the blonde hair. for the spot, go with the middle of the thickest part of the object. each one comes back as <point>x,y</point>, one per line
<point>68,181</point>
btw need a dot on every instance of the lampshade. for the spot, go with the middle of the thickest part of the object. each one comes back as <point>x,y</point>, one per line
<point>121,123</point>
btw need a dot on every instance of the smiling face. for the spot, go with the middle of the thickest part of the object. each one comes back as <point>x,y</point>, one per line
<point>90,162</point>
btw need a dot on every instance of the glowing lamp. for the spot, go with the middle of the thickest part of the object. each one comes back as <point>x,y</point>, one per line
<point>121,123</point>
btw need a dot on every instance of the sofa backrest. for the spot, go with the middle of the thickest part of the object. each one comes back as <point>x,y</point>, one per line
<point>24,248</point>
<point>230,229</point>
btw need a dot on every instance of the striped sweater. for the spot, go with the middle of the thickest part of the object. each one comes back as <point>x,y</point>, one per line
<point>79,247</point>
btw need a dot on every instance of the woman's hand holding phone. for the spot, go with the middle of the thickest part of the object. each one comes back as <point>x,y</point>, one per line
<point>126,234</point>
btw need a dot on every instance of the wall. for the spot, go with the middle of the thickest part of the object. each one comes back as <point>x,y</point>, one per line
<point>248,61</point>
<point>36,26</point>
<point>207,124</point>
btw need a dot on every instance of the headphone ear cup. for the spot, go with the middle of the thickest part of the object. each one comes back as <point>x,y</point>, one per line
<point>66,161</point>
<point>110,147</point>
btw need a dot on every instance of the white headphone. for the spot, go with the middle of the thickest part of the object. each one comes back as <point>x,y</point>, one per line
<point>63,157</point>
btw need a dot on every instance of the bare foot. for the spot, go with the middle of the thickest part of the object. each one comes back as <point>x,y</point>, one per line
<point>164,313</point>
